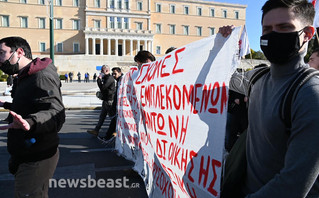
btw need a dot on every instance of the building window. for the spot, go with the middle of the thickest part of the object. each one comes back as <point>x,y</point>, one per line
<point>24,22</point>
<point>23,1</point>
<point>76,24</point>
<point>59,47</point>
<point>42,23</point>
<point>199,11</point>
<point>186,29</point>
<point>42,47</point>
<point>97,3</point>
<point>199,31</point>
<point>236,15</point>
<point>97,24</point>
<point>58,24</point>
<point>4,0</point>
<point>4,21</point>
<point>126,5</point>
<point>112,4</point>
<point>158,49</point>
<point>172,9</point>
<point>186,10</point>
<point>139,26</point>
<point>119,4</point>
<point>212,12</point>
<point>76,47</point>
<point>112,25</point>
<point>119,22</point>
<point>172,29</point>
<point>225,13</point>
<point>212,31</point>
<point>158,7</point>
<point>42,2</point>
<point>158,28</point>
<point>76,3</point>
<point>58,2</point>
<point>140,5</point>
<point>126,24</point>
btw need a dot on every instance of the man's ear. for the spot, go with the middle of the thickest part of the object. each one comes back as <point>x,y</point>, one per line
<point>309,33</point>
<point>20,52</point>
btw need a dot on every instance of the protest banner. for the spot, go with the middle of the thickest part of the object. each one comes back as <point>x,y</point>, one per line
<point>172,117</point>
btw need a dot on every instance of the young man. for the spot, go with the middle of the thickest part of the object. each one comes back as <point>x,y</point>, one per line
<point>143,57</point>
<point>280,163</point>
<point>111,132</point>
<point>37,114</point>
<point>314,59</point>
<point>106,84</point>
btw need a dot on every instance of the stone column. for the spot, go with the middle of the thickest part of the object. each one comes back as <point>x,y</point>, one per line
<point>116,47</point>
<point>124,48</point>
<point>101,46</point>
<point>86,46</point>
<point>93,47</point>
<point>108,46</point>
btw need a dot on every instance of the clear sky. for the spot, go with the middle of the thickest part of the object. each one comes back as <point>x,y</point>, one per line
<point>253,19</point>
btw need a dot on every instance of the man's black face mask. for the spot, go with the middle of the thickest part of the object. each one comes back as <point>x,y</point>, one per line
<point>280,48</point>
<point>9,68</point>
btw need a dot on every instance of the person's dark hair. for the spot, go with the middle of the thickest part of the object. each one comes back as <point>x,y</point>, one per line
<point>170,49</point>
<point>143,55</point>
<point>117,69</point>
<point>303,9</point>
<point>17,42</point>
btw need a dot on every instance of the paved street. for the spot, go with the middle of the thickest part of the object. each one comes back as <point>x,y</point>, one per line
<point>82,156</point>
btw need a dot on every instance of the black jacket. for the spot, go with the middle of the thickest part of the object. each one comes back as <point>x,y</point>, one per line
<point>107,87</point>
<point>37,99</point>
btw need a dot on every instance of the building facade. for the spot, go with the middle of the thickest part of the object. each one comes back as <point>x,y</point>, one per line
<point>88,33</point>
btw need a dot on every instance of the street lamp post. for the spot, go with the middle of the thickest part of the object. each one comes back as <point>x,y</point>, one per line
<point>51,32</point>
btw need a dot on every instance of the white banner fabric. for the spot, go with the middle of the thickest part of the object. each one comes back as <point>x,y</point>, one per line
<point>172,117</point>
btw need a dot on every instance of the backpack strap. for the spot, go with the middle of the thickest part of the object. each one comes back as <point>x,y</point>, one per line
<point>259,73</point>
<point>291,94</point>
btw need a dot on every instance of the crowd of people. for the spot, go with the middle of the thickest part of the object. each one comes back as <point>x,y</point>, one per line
<point>281,161</point>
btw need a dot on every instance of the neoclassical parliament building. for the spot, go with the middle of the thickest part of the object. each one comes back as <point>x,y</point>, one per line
<point>90,33</point>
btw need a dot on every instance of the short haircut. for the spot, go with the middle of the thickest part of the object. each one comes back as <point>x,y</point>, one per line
<point>106,67</point>
<point>303,9</point>
<point>170,49</point>
<point>17,42</point>
<point>117,69</point>
<point>143,55</point>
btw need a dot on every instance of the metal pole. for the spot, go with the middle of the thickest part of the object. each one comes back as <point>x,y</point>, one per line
<point>51,32</point>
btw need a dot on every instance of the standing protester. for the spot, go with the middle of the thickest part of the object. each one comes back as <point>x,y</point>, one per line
<point>106,84</point>
<point>79,77</point>
<point>94,77</point>
<point>37,114</point>
<point>66,77</point>
<point>314,59</point>
<point>143,57</point>
<point>111,131</point>
<point>71,76</point>
<point>281,161</point>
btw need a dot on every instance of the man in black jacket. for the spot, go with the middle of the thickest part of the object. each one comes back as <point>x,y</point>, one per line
<point>111,131</point>
<point>37,114</point>
<point>106,84</point>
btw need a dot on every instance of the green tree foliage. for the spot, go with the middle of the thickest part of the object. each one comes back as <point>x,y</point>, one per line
<point>255,55</point>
